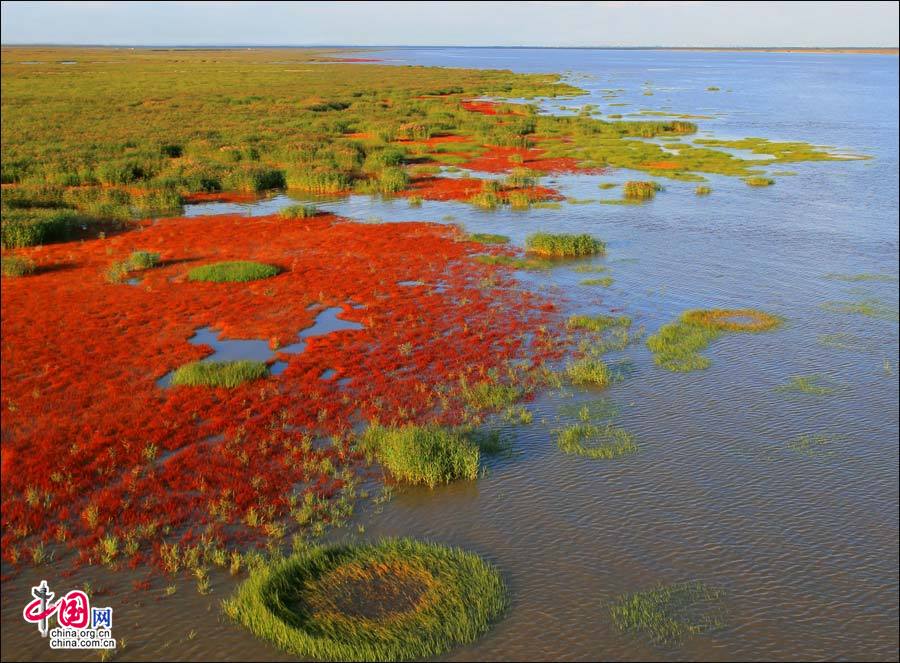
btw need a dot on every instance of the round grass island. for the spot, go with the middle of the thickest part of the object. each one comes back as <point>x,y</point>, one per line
<point>397,599</point>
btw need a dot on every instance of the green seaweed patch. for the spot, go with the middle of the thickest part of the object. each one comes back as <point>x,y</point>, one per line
<point>237,271</point>
<point>397,599</point>
<point>607,185</point>
<point>429,454</point>
<point>564,245</point>
<point>600,442</point>
<point>228,374</point>
<point>871,308</point>
<point>703,190</point>
<point>668,614</point>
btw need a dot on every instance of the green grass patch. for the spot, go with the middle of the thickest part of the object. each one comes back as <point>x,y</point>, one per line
<point>429,455</point>
<point>676,346</point>
<point>137,261</point>
<point>227,374</point>
<point>237,271</point>
<point>597,323</point>
<point>488,238</point>
<point>759,181</point>
<point>394,600</point>
<point>607,185</point>
<point>601,442</point>
<point>621,201</point>
<point>703,190</point>
<point>589,371</point>
<point>667,614</point>
<point>490,395</point>
<point>298,212</point>
<point>564,245</point>
<point>639,190</point>
<point>16,266</point>
<point>531,264</point>
<point>604,281</point>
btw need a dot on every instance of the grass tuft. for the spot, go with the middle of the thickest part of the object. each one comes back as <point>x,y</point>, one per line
<point>227,374</point>
<point>759,181</point>
<point>590,371</point>
<point>669,614</point>
<point>232,272</point>
<point>597,323</point>
<point>638,190</point>
<point>564,245</point>
<point>298,212</point>
<point>429,455</point>
<point>15,266</point>
<point>602,442</point>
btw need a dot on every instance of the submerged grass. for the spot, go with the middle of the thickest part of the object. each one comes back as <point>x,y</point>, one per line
<point>604,281</point>
<point>429,455</point>
<point>564,245</point>
<point>232,272</point>
<point>397,599</point>
<point>676,346</point>
<point>602,442</point>
<point>598,323</point>
<point>667,614</point>
<point>226,374</point>
<point>815,385</point>
<point>871,308</point>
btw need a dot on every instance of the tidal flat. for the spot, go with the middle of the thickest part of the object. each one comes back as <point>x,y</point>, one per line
<point>747,510</point>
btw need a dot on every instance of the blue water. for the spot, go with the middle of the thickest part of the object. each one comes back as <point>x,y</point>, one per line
<point>804,540</point>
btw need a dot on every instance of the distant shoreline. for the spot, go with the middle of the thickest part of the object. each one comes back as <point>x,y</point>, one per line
<point>785,49</point>
<point>862,50</point>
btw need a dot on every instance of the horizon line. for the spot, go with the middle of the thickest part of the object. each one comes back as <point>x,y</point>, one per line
<point>382,46</point>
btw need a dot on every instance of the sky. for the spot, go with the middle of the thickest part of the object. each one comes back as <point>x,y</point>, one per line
<point>452,23</point>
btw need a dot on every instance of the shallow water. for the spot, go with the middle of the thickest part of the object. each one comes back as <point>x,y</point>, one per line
<point>803,540</point>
